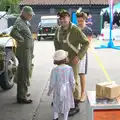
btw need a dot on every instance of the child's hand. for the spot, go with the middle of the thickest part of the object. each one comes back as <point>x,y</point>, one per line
<point>49,93</point>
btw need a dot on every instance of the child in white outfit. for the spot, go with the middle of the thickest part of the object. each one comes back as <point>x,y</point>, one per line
<point>62,83</point>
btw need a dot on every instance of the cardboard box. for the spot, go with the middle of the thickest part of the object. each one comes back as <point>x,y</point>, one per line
<point>108,90</point>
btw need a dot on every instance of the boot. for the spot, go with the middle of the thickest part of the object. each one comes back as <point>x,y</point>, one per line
<point>75,110</point>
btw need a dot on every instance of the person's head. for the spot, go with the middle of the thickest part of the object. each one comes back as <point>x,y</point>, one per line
<point>89,16</point>
<point>27,12</point>
<point>60,57</point>
<point>64,17</point>
<point>81,18</point>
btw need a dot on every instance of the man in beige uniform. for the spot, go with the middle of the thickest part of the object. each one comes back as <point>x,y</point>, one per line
<point>68,37</point>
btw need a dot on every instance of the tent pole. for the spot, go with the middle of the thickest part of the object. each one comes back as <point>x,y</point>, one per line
<point>101,22</point>
<point>110,44</point>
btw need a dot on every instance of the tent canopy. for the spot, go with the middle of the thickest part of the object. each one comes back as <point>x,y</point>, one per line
<point>116,8</point>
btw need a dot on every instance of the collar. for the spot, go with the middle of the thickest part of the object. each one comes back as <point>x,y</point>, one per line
<point>26,21</point>
<point>67,30</point>
<point>22,17</point>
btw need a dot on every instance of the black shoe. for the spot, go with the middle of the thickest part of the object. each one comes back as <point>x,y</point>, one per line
<point>55,119</point>
<point>52,104</point>
<point>24,101</point>
<point>73,111</point>
<point>28,95</point>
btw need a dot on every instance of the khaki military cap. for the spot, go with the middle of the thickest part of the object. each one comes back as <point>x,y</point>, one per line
<point>28,9</point>
<point>63,13</point>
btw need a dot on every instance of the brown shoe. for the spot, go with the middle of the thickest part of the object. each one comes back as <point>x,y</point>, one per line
<point>83,98</point>
<point>24,101</point>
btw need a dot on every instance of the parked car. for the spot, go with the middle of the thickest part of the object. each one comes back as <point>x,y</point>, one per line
<point>47,27</point>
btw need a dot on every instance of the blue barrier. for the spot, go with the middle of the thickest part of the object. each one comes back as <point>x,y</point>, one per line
<point>74,19</point>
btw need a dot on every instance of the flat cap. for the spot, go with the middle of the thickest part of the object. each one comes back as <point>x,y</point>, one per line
<point>63,13</point>
<point>28,9</point>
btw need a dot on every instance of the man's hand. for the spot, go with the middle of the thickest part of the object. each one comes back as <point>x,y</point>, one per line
<point>76,60</point>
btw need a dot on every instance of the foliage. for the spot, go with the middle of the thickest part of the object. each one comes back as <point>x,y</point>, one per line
<point>14,5</point>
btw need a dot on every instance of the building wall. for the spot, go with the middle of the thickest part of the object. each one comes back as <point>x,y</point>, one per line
<point>52,10</point>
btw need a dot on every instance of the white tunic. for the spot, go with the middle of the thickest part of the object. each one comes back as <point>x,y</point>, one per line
<point>62,81</point>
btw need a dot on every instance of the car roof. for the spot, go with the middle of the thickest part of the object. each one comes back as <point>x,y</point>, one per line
<point>49,17</point>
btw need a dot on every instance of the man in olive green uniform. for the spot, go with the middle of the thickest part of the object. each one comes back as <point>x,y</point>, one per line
<point>24,53</point>
<point>69,37</point>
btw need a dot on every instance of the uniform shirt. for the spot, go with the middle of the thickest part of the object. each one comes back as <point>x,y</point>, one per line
<point>22,34</point>
<point>76,37</point>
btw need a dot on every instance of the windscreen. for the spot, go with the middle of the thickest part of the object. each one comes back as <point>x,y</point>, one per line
<point>49,22</point>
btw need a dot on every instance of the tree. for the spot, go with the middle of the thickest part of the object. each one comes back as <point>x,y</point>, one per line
<point>14,5</point>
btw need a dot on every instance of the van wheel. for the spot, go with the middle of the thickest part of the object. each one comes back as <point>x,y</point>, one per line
<point>39,38</point>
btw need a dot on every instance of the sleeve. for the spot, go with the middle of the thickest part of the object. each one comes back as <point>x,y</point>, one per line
<point>89,21</point>
<point>83,41</point>
<point>71,78</point>
<point>52,80</point>
<point>56,43</point>
<point>89,32</point>
<point>15,33</point>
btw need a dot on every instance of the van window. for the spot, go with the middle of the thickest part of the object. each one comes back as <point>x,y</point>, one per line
<point>49,22</point>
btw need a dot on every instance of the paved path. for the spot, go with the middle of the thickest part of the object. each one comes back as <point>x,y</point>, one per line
<point>41,109</point>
